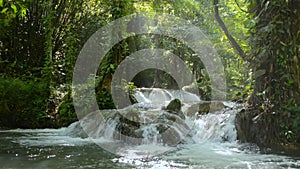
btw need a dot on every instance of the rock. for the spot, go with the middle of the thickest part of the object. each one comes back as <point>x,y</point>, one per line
<point>132,99</point>
<point>128,121</point>
<point>204,107</point>
<point>172,128</point>
<point>174,107</point>
<point>132,126</point>
<point>75,130</point>
<point>249,128</point>
<point>241,121</point>
<point>252,127</point>
<point>172,137</point>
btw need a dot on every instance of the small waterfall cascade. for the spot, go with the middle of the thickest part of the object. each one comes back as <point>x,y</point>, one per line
<point>159,96</point>
<point>150,134</point>
<point>214,127</point>
<point>144,135</point>
<point>140,97</point>
<point>151,121</point>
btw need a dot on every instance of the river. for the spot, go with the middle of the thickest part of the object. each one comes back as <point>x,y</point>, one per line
<point>47,148</point>
<point>211,144</point>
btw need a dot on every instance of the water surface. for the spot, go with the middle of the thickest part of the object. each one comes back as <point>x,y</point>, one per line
<point>48,148</point>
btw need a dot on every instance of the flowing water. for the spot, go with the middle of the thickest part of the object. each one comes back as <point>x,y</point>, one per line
<point>210,143</point>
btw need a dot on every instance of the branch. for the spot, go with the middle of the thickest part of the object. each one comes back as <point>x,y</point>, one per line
<point>234,44</point>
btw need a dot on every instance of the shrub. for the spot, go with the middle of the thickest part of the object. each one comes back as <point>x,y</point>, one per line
<point>23,104</point>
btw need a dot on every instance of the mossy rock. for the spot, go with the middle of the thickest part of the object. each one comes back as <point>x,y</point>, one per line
<point>128,122</point>
<point>174,107</point>
<point>204,107</point>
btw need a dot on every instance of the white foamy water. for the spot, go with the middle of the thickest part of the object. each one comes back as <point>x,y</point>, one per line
<point>210,143</point>
<point>164,96</point>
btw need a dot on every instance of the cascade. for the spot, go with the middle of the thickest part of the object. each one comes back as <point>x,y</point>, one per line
<point>149,122</point>
<point>140,97</point>
<point>159,96</point>
<point>147,134</point>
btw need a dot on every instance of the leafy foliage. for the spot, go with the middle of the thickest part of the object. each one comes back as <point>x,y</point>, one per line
<point>66,112</point>
<point>23,104</point>
<point>41,39</point>
<point>275,60</point>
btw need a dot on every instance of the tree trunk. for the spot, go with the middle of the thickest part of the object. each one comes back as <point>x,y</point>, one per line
<point>275,62</point>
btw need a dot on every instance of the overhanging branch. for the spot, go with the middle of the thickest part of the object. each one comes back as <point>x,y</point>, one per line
<point>233,42</point>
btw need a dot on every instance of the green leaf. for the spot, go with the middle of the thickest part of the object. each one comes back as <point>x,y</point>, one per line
<point>262,107</point>
<point>4,10</point>
<point>1,3</point>
<point>284,44</point>
<point>14,7</point>
<point>259,73</point>
<point>23,12</point>
<point>112,66</point>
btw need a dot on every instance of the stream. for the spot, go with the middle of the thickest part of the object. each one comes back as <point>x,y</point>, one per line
<point>210,143</point>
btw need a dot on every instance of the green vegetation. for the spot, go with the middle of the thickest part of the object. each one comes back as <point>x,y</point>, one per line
<point>41,39</point>
<point>276,67</point>
<point>23,103</point>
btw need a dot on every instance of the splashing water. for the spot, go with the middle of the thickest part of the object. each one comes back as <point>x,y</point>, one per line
<point>210,143</point>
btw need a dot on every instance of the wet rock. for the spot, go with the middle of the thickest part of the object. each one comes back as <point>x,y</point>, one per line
<point>128,123</point>
<point>248,129</point>
<point>204,107</point>
<point>132,126</point>
<point>172,137</point>
<point>132,99</point>
<point>174,107</point>
<point>254,126</point>
<point>92,125</point>
<point>166,125</point>
<point>75,130</point>
<point>172,128</point>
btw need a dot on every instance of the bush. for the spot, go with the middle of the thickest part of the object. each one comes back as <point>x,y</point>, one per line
<point>66,111</point>
<point>23,104</point>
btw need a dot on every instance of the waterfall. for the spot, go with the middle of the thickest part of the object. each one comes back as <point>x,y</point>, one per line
<point>140,97</point>
<point>159,96</point>
<point>149,123</point>
<point>150,134</point>
<point>160,138</point>
<point>217,127</point>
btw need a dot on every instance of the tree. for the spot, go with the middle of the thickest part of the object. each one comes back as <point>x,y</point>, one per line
<point>273,114</point>
<point>39,43</point>
<point>276,47</point>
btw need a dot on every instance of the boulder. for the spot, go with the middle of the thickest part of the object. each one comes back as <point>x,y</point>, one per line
<point>174,107</point>
<point>204,107</point>
<point>128,121</point>
<point>133,126</point>
<point>172,128</point>
<point>251,126</point>
<point>91,125</point>
<point>168,125</point>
